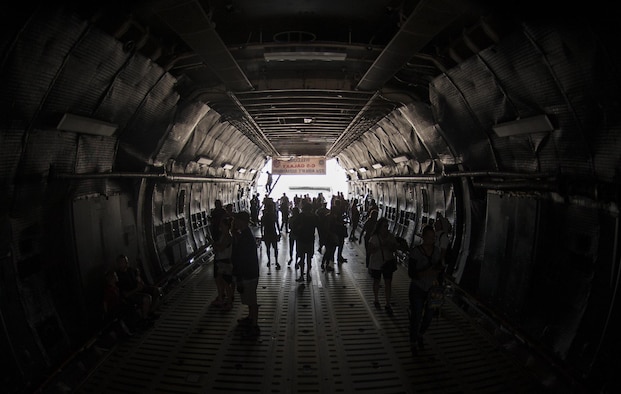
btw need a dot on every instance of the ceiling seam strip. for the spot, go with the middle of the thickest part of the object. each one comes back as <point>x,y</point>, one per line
<point>262,140</point>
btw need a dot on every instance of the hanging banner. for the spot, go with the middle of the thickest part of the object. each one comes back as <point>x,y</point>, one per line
<point>302,165</point>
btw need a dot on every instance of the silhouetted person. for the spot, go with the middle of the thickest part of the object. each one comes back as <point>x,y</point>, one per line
<point>295,213</point>
<point>354,215</point>
<point>268,183</point>
<point>381,249</point>
<point>254,210</point>
<point>423,268</point>
<point>217,213</point>
<point>224,279</point>
<point>270,233</point>
<point>284,211</point>
<point>367,231</point>
<point>304,227</point>
<point>246,272</point>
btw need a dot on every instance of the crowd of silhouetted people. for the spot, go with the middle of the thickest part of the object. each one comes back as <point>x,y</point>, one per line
<point>313,226</point>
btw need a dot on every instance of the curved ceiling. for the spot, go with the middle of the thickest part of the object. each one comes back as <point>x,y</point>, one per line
<point>238,81</point>
<point>303,78</point>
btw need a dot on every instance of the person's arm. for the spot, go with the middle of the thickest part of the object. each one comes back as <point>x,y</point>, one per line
<point>415,270</point>
<point>362,232</point>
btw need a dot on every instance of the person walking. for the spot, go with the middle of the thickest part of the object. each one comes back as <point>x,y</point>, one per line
<point>270,233</point>
<point>284,206</point>
<point>367,231</point>
<point>254,209</point>
<point>423,268</point>
<point>245,262</point>
<point>268,183</point>
<point>295,212</point>
<point>224,279</point>
<point>382,262</point>
<point>339,207</point>
<point>354,215</point>
<point>305,227</point>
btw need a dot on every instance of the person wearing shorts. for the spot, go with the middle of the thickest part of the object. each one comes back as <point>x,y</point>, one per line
<point>381,248</point>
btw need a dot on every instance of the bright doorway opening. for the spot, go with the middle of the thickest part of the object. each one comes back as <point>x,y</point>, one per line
<point>330,184</point>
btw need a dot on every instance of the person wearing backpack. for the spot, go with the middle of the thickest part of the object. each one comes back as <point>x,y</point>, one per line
<point>424,265</point>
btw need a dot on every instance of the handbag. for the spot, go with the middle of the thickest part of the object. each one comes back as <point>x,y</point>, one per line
<point>389,265</point>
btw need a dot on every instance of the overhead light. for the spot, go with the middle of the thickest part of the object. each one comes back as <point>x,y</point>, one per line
<point>308,120</point>
<point>534,124</point>
<point>253,171</point>
<point>300,55</point>
<point>400,159</point>
<point>84,125</point>
<point>227,166</point>
<point>241,170</point>
<point>377,166</point>
<point>352,170</point>
<point>204,161</point>
<point>362,169</point>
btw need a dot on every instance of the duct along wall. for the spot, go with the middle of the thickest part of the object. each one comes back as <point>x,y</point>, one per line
<point>71,201</point>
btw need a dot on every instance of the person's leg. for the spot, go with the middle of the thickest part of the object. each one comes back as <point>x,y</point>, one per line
<point>376,286</point>
<point>416,312</point>
<point>330,252</point>
<point>291,242</point>
<point>388,291</point>
<point>276,255</point>
<point>340,246</point>
<point>146,305</point>
<point>426,318</point>
<point>253,312</point>
<point>220,286</point>
<point>309,258</point>
<point>268,249</point>
<point>303,254</point>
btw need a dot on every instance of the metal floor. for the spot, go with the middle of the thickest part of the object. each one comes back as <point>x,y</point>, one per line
<point>322,336</point>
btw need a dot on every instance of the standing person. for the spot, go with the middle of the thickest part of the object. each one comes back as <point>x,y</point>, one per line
<point>423,268</point>
<point>322,214</point>
<point>270,233</point>
<point>284,211</point>
<point>332,238</point>
<point>217,213</point>
<point>354,215</point>
<point>224,279</point>
<point>254,209</point>
<point>381,249</point>
<point>268,183</point>
<point>215,216</point>
<point>304,227</point>
<point>340,227</point>
<point>295,212</point>
<point>246,272</point>
<point>367,231</point>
